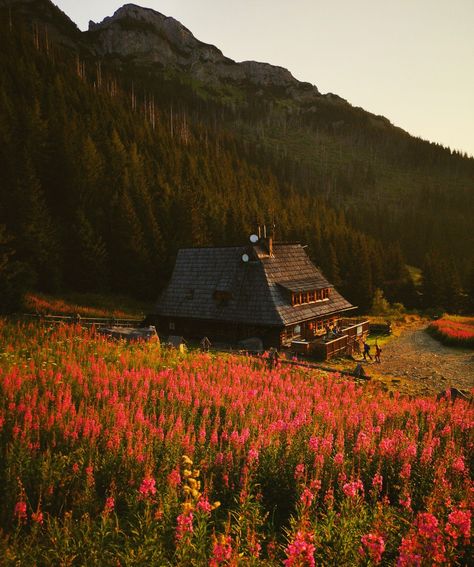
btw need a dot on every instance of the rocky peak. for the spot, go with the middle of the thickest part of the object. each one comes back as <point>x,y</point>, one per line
<point>150,38</point>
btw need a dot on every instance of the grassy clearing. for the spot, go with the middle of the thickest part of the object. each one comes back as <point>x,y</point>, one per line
<point>86,305</point>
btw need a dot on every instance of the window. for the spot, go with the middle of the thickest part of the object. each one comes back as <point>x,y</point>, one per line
<point>171,326</point>
<point>297,330</point>
<point>303,297</point>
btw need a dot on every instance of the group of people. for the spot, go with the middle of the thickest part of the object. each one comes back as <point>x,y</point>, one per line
<point>332,332</point>
<point>366,350</point>
<point>273,355</point>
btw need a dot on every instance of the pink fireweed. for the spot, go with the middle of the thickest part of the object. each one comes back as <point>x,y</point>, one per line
<point>307,497</point>
<point>252,456</point>
<point>426,541</point>
<point>300,471</point>
<point>20,511</point>
<point>352,489</point>
<point>377,481</point>
<point>373,546</point>
<point>147,487</point>
<point>459,524</point>
<point>204,505</point>
<point>174,478</point>
<point>184,527</point>
<point>94,415</point>
<point>338,459</point>
<point>454,330</point>
<point>221,551</point>
<point>37,517</point>
<point>109,505</point>
<point>300,552</point>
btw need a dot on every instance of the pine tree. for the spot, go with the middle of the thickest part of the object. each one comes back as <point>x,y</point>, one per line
<point>433,286</point>
<point>36,236</point>
<point>15,278</point>
<point>88,266</point>
<point>333,270</point>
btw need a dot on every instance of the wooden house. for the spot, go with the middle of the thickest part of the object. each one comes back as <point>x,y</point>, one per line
<point>270,290</point>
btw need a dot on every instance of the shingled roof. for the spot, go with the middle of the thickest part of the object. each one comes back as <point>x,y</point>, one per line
<point>215,284</point>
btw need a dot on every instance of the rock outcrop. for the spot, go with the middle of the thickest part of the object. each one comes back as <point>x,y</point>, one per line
<point>147,37</point>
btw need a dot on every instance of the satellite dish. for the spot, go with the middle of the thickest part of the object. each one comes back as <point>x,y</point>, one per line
<point>254,238</point>
<point>245,258</point>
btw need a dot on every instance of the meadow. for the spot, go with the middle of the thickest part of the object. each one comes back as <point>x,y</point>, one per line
<point>454,330</point>
<point>85,305</point>
<point>132,454</point>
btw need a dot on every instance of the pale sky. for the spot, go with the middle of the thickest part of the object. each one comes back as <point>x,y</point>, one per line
<point>409,60</point>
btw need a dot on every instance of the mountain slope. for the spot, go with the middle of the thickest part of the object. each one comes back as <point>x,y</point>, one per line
<point>358,160</point>
<point>128,158</point>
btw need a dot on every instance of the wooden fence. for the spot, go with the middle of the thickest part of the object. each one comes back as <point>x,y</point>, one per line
<point>84,321</point>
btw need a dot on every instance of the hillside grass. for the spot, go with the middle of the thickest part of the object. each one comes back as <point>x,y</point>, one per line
<point>86,305</point>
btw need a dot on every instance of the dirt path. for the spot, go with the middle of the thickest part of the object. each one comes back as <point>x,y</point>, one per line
<point>423,365</point>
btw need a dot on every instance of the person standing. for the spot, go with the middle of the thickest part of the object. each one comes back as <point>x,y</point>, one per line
<point>378,352</point>
<point>367,351</point>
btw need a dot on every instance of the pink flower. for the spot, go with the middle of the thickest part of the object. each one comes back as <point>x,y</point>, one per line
<point>352,489</point>
<point>299,471</point>
<point>20,511</point>
<point>406,471</point>
<point>459,465</point>
<point>221,551</point>
<point>405,501</point>
<point>338,459</point>
<point>410,552</point>
<point>374,545</point>
<point>174,478</point>
<point>459,524</point>
<point>109,505</point>
<point>37,517</point>
<point>184,526</point>
<point>427,524</point>
<point>204,506</point>
<point>377,481</point>
<point>252,456</point>
<point>300,552</point>
<point>147,487</point>
<point>307,498</point>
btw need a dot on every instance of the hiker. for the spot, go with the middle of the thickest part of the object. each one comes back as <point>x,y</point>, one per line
<point>273,358</point>
<point>378,352</point>
<point>205,344</point>
<point>367,351</point>
<point>328,331</point>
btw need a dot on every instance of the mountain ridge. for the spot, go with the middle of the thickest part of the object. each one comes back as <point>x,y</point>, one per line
<point>150,37</point>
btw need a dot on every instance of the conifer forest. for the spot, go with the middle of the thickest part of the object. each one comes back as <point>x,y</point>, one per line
<point>107,170</point>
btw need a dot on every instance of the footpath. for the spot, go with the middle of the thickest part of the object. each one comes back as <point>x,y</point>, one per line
<point>424,365</point>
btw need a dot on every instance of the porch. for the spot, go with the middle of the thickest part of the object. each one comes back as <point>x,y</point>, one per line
<point>345,342</point>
